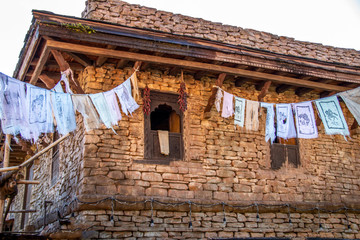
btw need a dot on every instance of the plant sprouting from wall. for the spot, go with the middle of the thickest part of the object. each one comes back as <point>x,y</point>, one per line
<point>78,27</point>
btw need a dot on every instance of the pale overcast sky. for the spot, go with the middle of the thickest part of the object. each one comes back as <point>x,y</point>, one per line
<point>330,22</point>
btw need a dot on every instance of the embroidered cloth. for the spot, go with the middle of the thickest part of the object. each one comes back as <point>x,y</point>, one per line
<point>285,121</point>
<point>228,105</point>
<point>332,116</point>
<point>305,120</point>
<point>252,115</point>
<point>270,122</point>
<point>239,111</point>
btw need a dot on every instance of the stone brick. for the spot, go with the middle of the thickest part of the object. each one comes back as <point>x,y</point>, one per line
<point>132,174</point>
<point>151,176</point>
<point>158,192</point>
<point>181,194</point>
<point>172,176</point>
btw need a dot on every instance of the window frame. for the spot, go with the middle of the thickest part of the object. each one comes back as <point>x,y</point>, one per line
<point>281,149</point>
<point>159,98</point>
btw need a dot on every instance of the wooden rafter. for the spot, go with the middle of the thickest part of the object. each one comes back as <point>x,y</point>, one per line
<point>39,67</point>
<point>80,58</point>
<point>49,82</point>
<point>264,91</point>
<point>191,65</point>
<point>219,83</point>
<point>64,65</point>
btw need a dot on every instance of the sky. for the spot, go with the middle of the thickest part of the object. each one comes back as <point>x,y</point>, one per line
<point>329,22</point>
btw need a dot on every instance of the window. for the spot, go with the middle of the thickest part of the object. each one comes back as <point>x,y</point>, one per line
<point>55,159</point>
<point>284,151</point>
<point>164,115</point>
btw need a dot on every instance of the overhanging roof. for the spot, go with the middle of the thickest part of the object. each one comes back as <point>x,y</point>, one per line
<point>122,45</point>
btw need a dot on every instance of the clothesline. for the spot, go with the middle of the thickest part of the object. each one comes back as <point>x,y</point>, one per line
<point>246,114</point>
<point>29,110</point>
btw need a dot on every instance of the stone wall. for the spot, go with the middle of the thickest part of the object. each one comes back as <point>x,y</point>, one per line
<point>210,225</point>
<point>221,163</point>
<point>120,12</point>
<point>64,189</point>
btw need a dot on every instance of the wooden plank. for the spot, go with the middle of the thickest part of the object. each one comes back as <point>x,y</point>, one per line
<point>28,182</point>
<point>6,163</point>
<point>264,91</point>
<point>39,67</point>
<point>219,83</point>
<point>101,60</point>
<point>29,53</point>
<point>191,65</point>
<point>49,82</point>
<point>80,58</point>
<point>7,169</point>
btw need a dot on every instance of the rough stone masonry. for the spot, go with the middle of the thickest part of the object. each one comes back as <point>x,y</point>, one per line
<point>221,163</point>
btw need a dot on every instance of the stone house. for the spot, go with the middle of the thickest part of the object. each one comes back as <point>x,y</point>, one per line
<point>218,181</point>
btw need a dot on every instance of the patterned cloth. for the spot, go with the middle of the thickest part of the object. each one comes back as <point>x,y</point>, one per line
<point>239,111</point>
<point>13,109</point>
<point>352,101</point>
<point>127,102</point>
<point>305,120</point>
<point>39,115</point>
<point>285,121</point>
<point>270,122</point>
<point>228,105</point>
<point>64,112</point>
<point>83,105</point>
<point>252,115</point>
<point>332,116</point>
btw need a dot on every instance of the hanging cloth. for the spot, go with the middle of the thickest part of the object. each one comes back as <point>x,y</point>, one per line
<point>239,111</point>
<point>228,105</point>
<point>352,101</point>
<point>64,112</point>
<point>252,115</point>
<point>101,106</point>
<point>332,116</point>
<point>113,105</point>
<point>40,118</point>
<point>164,142</point>
<point>285,121</point>
<point>13,105</point>
<point>218,98</point>
<point>270,122</point>
<point>134,81</point>
<point>84,106</point>
<point>127,102</point>
<point>65,80</point>
<point>305,120</point>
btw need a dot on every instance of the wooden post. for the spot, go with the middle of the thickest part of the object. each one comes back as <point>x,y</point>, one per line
<point>6,163</point>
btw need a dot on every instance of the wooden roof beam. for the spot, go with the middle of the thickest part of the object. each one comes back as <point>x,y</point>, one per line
<point>191,65</point>
<point>39,67</point>
<point>49,82</point>
<point>102,59</point>
<point>80,58</point>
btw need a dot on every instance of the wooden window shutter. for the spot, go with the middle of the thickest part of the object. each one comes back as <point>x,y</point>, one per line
<point>293,155</point>
<point>278,155</point>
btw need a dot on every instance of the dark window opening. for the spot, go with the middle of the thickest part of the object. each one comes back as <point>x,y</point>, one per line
<point>166,116</point>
